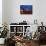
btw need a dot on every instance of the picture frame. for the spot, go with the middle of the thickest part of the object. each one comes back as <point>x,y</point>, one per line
<point>25,9</point>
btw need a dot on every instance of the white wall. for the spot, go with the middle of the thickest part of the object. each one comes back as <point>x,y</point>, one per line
<point>12,8</point>
<point>4,11</point>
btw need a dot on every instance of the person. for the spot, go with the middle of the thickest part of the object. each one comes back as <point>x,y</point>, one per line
<point>30,31</point>
<point>10,42</point>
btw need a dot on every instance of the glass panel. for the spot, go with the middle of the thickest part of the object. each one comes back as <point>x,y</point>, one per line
<point>0,13</point>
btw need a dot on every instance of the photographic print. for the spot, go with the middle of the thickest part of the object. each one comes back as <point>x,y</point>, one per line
<point>25,9</point>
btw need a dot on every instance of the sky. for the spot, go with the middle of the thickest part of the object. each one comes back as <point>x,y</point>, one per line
<point>26,7</point>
